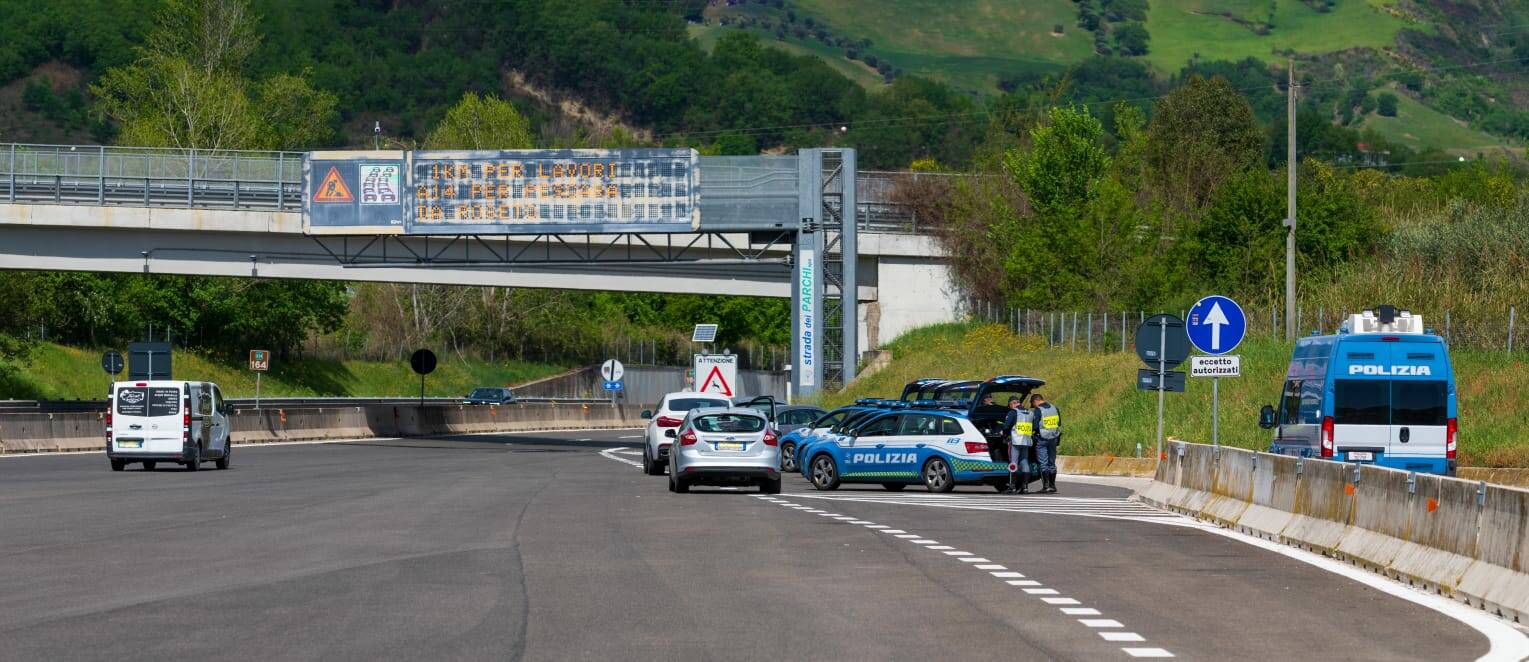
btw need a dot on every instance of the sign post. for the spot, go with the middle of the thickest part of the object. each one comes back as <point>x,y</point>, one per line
<point>260,361</point>
<point>1216,326</point>
<point>613,371</point>
<point>716,373</point>
<point>112,363</point>
<point>423,363</point>
<point>1162,344</point>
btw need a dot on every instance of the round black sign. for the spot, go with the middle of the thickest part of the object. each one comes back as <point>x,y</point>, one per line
<point>423,360</point>
<point>1166,332</point>
<point>112,363</point>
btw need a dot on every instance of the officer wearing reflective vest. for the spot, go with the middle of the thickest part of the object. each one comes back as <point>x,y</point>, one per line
<point>1019,423</point>
<point>1047,423</point>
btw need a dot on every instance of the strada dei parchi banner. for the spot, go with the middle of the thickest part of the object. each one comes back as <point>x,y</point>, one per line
<point>501,192</point>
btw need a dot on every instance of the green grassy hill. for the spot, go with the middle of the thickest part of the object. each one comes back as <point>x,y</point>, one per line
<point>1104,413</point>
<point>56,372</point>
<point>1235,29</point>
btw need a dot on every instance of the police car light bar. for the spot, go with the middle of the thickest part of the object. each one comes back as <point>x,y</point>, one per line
<point>1389,321</point>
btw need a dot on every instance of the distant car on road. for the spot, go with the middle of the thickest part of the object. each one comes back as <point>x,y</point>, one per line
<point>791,439</point>
<point>663,423</point>
<point>489,395</point>
<point>167,421</point>
<point>725,446</point>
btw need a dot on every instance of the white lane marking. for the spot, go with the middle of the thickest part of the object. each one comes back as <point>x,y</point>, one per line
<point>610,454</point>
<point>884,530</point>
<point>1147,652</point>
<point>1006,575</point>
<point>1023,582</point>
<point>875,526</point>
<point>906,536</point>
<point>1041,591</point>
<point>1080,611</point>
<point>859,521</point>
<point>974,559</point>
<point>924,541</point>
<point>1117,508</point>
<point>584,439</point>
<point>1101,622</point>
<point>991,566</point>
<point>828,514</point>
<point>843,518</point>
<point>1060,601</point>
<point>956,553</point>
<point>630,436</point>
<point>1121,636</point>
<point>1506,642</point>
<point>940,547</point>
<point>811,510</point>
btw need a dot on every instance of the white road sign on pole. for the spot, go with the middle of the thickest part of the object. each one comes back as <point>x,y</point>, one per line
<point>716,373</point>
<point>612,370</point>
<point>1215,366</point>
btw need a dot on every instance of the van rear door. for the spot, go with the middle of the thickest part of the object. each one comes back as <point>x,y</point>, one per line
<point>148,417</point>
<point>1419,402</point>
<point>1362,401</point>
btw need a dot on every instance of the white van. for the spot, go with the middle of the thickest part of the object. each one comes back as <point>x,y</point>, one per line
<point>171,421</point>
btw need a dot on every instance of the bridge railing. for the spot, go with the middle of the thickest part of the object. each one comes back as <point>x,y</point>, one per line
<point>151,177</point>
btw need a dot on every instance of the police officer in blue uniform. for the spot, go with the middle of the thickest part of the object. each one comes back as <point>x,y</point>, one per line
<point>1047,425</point>
<point>1018,427</point>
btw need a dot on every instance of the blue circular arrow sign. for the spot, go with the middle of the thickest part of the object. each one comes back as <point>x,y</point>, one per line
<point>1216,325</point>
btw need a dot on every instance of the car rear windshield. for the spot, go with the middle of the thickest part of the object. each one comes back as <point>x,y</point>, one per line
<point>687,404</point>
<point>1385,402</point>
<point>728,423</point>
<point>484,393</point>
<point>140,401</point>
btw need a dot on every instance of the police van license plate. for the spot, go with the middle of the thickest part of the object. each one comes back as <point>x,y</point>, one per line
<point>129,443</point>
<point>1361,456</point>
<point>729,446</point>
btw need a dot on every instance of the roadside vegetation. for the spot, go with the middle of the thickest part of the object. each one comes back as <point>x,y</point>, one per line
<point>1103,413</point>
<point>57,372</point>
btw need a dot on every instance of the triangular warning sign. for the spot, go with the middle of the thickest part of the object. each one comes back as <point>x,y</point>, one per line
<point>715,377</point>
<point>333,188</point>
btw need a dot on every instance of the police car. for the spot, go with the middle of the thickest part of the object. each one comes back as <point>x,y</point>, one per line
<point>1380,391</point>
<point>901,447</point>
<point>863,411</point>
<point>921,389</point>
<point>791,440</point>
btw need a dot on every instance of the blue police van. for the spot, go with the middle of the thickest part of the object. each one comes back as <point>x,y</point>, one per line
<point>1380,391</point>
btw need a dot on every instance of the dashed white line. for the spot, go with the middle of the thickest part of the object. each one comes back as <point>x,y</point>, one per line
<point>875,526</point>
<point>1006,574</point>
<point>956,553</point>
<point>1080,611</point>
<point>924,541</point>
<point>1101,622</point>
<point>1060,601</point>
<point>1147,652</point>
<point>1023,582</point>
<point>1041,591</point>
<point>940,547</point>
<point>859,521</point>
<point>973,559</point>
<point>1121,636</point>
<point>906,536</point>
<point>991,566</point>
<point>886,530</point>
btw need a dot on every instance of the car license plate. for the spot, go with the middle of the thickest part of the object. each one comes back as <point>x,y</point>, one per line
<point>729,446</point>
<point>129,443</point>
<point>1361,456</point>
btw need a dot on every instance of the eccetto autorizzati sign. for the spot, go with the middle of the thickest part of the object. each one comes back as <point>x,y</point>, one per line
<point>501,192</point>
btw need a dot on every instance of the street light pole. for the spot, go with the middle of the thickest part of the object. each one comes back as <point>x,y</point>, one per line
<point>1290,166</point>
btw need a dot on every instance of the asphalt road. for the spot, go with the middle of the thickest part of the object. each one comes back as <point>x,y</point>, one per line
<point>543,547</point>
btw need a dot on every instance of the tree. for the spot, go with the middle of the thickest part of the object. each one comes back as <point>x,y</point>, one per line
<point>481,123</point>
<point>297,116</point>
<point>1240,242</point>
<point>1386,104</point>
<point>211,35</point>
<point>1132,38</point>
<point>1201,134</point>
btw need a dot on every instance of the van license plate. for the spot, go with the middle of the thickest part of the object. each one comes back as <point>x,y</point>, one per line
<point>129,443</point>
<point>729,446</point>
<point>1361,456</point>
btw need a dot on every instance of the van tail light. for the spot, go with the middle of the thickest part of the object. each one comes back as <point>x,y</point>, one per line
<point>1450,429</point>
<point>770,439</point>
<point>688,439</point>
<point>974,447</point>
<point>1327,436</point>
<point>186,419</point>
<point>108,423</point>
<point>666,422</point>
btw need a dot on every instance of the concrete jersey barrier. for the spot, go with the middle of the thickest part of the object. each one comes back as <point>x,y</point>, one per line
<point>1465,539</point>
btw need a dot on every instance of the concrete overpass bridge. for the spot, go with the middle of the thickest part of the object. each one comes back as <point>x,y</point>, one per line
<point>138,210</point>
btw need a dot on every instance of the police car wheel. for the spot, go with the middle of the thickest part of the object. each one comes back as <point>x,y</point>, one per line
<point>825,473</point>
<point>937,476</point>
<point>788,457</point>
<point>894,487</point>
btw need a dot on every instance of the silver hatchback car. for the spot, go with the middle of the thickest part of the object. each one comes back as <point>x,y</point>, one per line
<point>725,446</point>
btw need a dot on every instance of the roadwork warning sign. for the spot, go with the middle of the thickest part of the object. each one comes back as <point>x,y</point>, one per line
<point>717,373</point>
<point>333,188</point>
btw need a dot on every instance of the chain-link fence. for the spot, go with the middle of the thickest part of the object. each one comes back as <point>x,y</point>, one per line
<point>1113,331</point>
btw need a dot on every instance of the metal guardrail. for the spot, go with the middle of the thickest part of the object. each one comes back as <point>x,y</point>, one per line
<point>152,177</point>
<point>89,406</point>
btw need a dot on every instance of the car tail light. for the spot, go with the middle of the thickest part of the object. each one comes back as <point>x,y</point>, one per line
<point>1327,436</point>
<point>1451,428</point>
<point>976,447</point>
<point>108,423</point>
<point>186,419</point>
<point>687,439</point>
<point>666,422</point>
<point>770,439</point>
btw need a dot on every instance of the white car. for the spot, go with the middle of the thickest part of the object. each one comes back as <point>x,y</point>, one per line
<point>167,421</point>
<point>666,419</point>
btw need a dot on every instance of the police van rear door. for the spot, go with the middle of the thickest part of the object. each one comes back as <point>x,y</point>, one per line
<point>1419,399</point>
<point>1361,408</point>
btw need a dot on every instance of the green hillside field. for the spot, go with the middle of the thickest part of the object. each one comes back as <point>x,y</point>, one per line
<point>1181,29</point>
<point>1104,413</point>
<point>1417,126</point>
<point>56,372</point>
